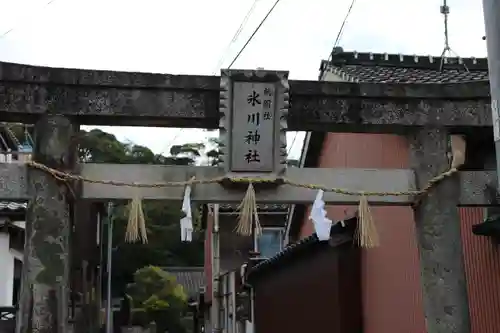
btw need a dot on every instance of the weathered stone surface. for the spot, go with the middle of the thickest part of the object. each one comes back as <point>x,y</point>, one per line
<point>465,90</point>
<point>383,115</point>
<point>439,239</point>
<point>99,97</point>
<point>122,98</point>
<point>46,258</point>
<point>343,107</point>
<point>475,186</point>
<point>13,182</point>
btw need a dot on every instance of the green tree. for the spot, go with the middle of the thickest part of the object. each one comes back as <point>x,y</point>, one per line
<point>185,154</point>
<point>214,154</point>
<point>164,247</point>
<point>97,146</point>
<point>157,297</point>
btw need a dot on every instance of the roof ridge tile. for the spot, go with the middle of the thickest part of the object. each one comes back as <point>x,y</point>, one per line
<point>368,67</point>
<point>340,58</point>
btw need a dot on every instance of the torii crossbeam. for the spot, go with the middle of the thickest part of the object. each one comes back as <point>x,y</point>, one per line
<point>59,100</point>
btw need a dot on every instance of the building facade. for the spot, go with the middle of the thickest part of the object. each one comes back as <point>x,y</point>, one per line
<point>12,233</point>
<point>311,285</point>
<point>390,283</point>
<point>12,219</point>
<point>228,252</point>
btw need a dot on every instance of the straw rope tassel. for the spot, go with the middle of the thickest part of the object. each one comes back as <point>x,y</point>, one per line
<point>366,231</point>
<point>458,150</point>
<point>136,226</point>
<point>248,212</point>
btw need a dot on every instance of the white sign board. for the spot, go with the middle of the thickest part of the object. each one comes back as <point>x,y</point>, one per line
<point>253,127</point>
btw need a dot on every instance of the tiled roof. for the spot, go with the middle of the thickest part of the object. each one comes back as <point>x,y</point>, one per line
<point>12,206</point>
<point>190,278</point>
<point>396,68</point>
<point>301,246</point>
<point>5,222</point>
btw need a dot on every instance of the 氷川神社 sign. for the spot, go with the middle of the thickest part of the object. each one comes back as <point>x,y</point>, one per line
<point>254,106</point>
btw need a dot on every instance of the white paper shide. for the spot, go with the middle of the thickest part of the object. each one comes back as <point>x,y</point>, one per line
<point>187,221</point>
<point>322,224</point>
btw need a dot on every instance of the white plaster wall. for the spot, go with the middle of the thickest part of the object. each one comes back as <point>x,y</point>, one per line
<point>5,158</point>
<point>330,77</point>
<point>16,255</point>
<point>6,271</point>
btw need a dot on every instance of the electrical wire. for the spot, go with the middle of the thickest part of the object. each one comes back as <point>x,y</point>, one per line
<point>293,141</point>
<point>11,29</point>
<point>171,142</point>
<point>251,36</point>
<point>341,30</point>
<point>254,33</point>
<point>235,37</point>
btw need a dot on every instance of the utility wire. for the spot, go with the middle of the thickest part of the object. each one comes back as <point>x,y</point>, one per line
<point>293,141</point>
<point>238,32</point>
<point>11,29</point>
<point>239,53</point>
<point>235,37</point>
<point>254,33</point>
<point>341,30</point>
<point>171,142</point>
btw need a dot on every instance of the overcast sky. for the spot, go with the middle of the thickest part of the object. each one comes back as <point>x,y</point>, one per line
<point>191,36</point>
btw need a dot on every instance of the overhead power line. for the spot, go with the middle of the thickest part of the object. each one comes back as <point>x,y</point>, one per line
<point>253,34</point>
<point>11,29</point>
<point>238,32</point>
<point>171,142</point>
<point>342,26</point>
<point>235,37</point>
<point>341,30</point>
<point>293,142</point>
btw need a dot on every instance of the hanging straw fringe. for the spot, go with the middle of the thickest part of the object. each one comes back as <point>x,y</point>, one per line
<point>136,226</point>
<point>458,149</point>
<point>366,231</point>
<point>248,212</point>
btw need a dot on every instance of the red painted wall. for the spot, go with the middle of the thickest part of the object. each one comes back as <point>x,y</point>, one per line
<point>392,299</point>
<point>324,281</point>
<point>482,267</point>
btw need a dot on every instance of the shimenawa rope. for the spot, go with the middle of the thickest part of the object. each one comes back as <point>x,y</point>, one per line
<point>366,234</point>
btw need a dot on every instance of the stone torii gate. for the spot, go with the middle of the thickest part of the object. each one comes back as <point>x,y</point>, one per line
<point>58,100</point>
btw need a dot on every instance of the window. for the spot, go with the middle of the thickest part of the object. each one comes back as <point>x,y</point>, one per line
<point>270,242</point>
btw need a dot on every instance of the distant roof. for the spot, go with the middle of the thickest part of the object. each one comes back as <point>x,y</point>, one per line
<point>5,222</point>
<point>400,68</point>
<point>370,67</point>
<point>190,278</point>
<point>8,206</point>
<point>301,247</point>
